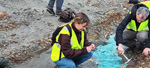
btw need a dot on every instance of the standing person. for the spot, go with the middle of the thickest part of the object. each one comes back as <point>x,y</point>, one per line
<point>59,4</point>
<point>74,48</point>
<point>136,35</point>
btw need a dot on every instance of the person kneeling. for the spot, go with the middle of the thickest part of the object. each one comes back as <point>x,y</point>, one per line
<point>72,49</point>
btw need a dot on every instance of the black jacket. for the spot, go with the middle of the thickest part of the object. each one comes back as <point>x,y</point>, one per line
<point>126,20</point>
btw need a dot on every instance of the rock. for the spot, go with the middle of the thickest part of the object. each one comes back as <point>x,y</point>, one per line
<point>139,58</point>
<point>125,9</point>
<point>4,15</point>
<point>13,35</point>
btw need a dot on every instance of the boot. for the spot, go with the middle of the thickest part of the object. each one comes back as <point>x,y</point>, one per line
<point>51,11</point>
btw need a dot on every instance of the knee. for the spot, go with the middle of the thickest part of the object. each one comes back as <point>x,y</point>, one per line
<point>90,54</point>
<point>142,36</point>
<point>67,65</point>
<point>71,65</point>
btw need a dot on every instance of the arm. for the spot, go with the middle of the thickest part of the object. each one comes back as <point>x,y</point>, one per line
<point>124,23</point>
<point>119,32</point>
<point>120,28</point>
<point>147,43</point>
<point>64,41</point>
<point>86,42</point>
<point>147,49</point>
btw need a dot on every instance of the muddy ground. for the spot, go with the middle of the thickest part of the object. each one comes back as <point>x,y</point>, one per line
<point>26,33</point>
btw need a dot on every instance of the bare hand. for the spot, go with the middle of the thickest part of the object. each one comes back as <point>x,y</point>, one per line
<point>93,46</point>
<point>120,49</point>
<point>145,51</point>
<point>89,48</point>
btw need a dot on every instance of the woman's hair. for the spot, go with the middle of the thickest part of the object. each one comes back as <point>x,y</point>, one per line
<point>144,11</point>
<point>81,18</point>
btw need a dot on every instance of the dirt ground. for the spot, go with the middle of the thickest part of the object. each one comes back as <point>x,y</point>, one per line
<point>26,33</point>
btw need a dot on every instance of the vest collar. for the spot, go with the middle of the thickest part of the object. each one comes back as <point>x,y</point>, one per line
<point>75,29</point>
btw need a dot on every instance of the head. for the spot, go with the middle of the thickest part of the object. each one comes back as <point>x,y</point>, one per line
<point>141,14</point>
<point>80,21</point>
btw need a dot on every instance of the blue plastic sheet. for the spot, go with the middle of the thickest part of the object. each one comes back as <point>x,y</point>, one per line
<point>107,55</point>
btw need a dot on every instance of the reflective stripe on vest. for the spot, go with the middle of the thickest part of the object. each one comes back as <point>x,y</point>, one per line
<point>73,42</point>
<point>143,26</point>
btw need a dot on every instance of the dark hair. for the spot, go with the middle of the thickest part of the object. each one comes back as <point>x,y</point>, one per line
<point>81,18</point>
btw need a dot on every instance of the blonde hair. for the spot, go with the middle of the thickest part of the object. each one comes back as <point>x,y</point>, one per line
<point>81,18</point>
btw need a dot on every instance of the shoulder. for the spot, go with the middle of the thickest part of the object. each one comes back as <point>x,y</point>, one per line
<point>64,30</point>
<point>133,10</point>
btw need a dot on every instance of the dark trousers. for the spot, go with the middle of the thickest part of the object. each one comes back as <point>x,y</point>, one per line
<point>134,39</point>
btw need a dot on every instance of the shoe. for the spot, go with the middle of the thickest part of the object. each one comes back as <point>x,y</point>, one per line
<point>51,11</point>
<point>57,15</point>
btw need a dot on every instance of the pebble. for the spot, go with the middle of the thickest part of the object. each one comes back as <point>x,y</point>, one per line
<point>139,58</point>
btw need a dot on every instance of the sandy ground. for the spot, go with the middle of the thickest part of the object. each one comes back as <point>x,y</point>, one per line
<point>43,61</point>
<point>26,34</point>
<point>38,25</point>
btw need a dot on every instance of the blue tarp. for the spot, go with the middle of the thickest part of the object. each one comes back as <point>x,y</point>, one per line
<point>107,55</point>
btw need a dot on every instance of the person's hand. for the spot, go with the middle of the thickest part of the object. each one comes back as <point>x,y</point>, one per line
<point>145,51</point>
<point>120,49</point>
<point>89,48</point>
<point>93,46</point>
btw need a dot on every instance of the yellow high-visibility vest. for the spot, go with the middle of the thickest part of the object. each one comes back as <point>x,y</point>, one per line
<point>144,25</point>
<point>73,41</point>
